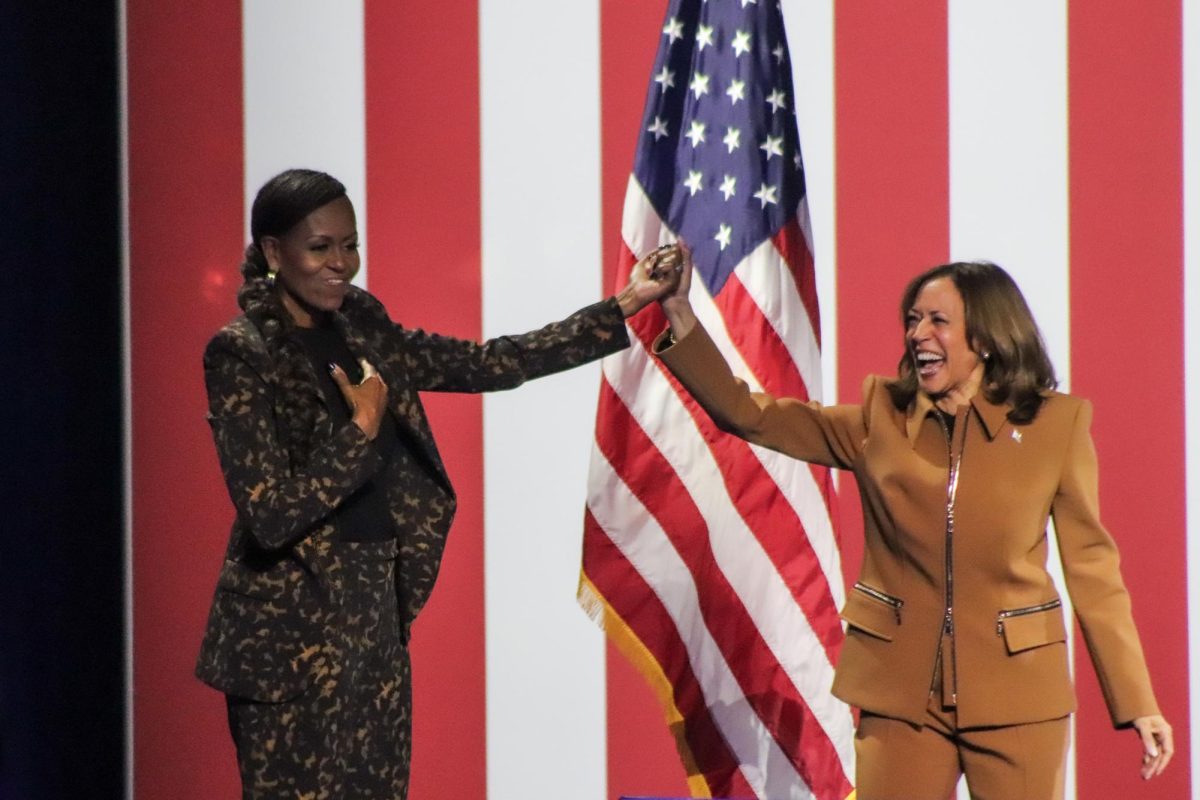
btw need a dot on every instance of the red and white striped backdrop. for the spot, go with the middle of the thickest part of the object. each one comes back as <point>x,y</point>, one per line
<point>487,147</point>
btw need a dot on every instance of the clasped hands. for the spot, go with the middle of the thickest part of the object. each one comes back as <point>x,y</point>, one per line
<point>655,276</point>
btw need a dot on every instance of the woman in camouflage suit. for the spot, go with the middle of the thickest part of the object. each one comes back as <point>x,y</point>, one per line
<point>342,501</point>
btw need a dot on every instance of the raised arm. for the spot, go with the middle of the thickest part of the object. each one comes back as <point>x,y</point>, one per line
<point>832,436</point>
<point>446,364</point>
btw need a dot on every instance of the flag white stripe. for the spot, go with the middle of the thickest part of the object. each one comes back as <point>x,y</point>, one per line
<point>641,228</point>
<point>649,551</point>
<point>794,478</point>
<point>541,246</point>
<point>304,95</point>
<point>1009,183</point>
<point>769,282</point>
<point>738,553</point>
<point>1191,345</point>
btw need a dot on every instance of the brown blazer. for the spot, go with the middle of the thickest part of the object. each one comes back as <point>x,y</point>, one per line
<point>1010,667</point>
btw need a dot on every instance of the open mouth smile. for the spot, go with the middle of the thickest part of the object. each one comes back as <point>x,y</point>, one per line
<point>928,363</point>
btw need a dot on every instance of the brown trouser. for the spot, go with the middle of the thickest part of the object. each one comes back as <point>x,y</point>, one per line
<point>898,760</point>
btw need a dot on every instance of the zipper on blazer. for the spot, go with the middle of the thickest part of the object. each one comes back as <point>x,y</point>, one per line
<point>951,497</point>
<point>1020,612</point>
<point>895,602</point>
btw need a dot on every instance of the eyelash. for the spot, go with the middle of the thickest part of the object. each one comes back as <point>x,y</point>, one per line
<point>911,322</point>
<point>320,248</point>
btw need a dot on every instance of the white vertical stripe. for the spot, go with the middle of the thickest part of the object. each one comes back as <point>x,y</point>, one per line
<point>810,42</point>
<point>304,95</point>
<point>540,139</point>
<point>1009,184</point>
<point>126,384</point>
<point>1191,346</point>
<point>1008,151</point>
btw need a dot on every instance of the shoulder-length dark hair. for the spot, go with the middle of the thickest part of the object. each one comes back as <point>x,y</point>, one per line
<point>1000,328</point>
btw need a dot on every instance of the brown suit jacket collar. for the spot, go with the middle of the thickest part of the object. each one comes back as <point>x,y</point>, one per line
<point>991,415</point>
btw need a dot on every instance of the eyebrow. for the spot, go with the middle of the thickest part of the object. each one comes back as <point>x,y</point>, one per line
<point>324,236</point>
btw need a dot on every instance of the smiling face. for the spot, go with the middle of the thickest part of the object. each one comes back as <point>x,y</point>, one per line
<point>315,261</point>
<point>936,335</point>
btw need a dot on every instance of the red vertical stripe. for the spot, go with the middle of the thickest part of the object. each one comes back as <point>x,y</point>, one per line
<point>1126,165</point>
<point>641,752</point>
<point>423,228</point>
<point>185,208</point>
<point>893,216</point>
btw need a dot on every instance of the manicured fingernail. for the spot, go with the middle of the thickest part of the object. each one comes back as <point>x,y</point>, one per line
<point>332,367</point>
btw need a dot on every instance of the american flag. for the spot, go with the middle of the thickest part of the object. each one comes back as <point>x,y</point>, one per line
<point>714,562</point>
<point>1049,137</point>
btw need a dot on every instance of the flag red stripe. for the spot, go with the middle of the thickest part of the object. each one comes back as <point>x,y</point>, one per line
<point>758,342</point>
<point>1127,271</point>
<point>770,361</point>
<point>794,249</point>
<point>766,687</point>
<point>767,513</point>
<point>791,244</point>
<point>422,56</point>
<point>640,608</point>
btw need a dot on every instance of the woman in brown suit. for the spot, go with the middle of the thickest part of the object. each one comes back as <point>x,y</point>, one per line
<point>955,647</point>
<point>342,503</point>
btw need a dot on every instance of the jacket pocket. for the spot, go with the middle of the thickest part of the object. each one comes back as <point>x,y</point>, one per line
<point>1031,626</point>
<point>271,584</point>
<point>873,612</point>
<point>258,649</point>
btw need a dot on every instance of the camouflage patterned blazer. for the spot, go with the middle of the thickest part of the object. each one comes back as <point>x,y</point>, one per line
<point>277,591</point>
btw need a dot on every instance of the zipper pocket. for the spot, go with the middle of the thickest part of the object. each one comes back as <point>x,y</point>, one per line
<point>895,602</point>
<point>1020,612</point>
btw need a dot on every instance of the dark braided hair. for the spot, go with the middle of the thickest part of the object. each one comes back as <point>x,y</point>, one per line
<point>280,205</point>
<point>1017,369</point>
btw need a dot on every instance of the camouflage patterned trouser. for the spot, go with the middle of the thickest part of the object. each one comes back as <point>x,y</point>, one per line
<point>349,734</point>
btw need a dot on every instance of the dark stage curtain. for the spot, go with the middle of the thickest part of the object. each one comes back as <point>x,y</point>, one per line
<point>61,564</point>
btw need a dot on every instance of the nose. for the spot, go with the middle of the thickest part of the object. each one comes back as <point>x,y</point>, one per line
<point>339,259</point>
<point>919,331</point>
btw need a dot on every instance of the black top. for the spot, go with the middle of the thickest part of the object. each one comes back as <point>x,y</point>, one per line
<point>364,516</point>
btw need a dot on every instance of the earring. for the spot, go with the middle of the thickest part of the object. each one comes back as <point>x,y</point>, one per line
<point>986,355</point>
<point>271,278</point>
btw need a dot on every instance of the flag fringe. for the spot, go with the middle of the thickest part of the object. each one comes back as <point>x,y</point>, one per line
<point>620,634</point>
